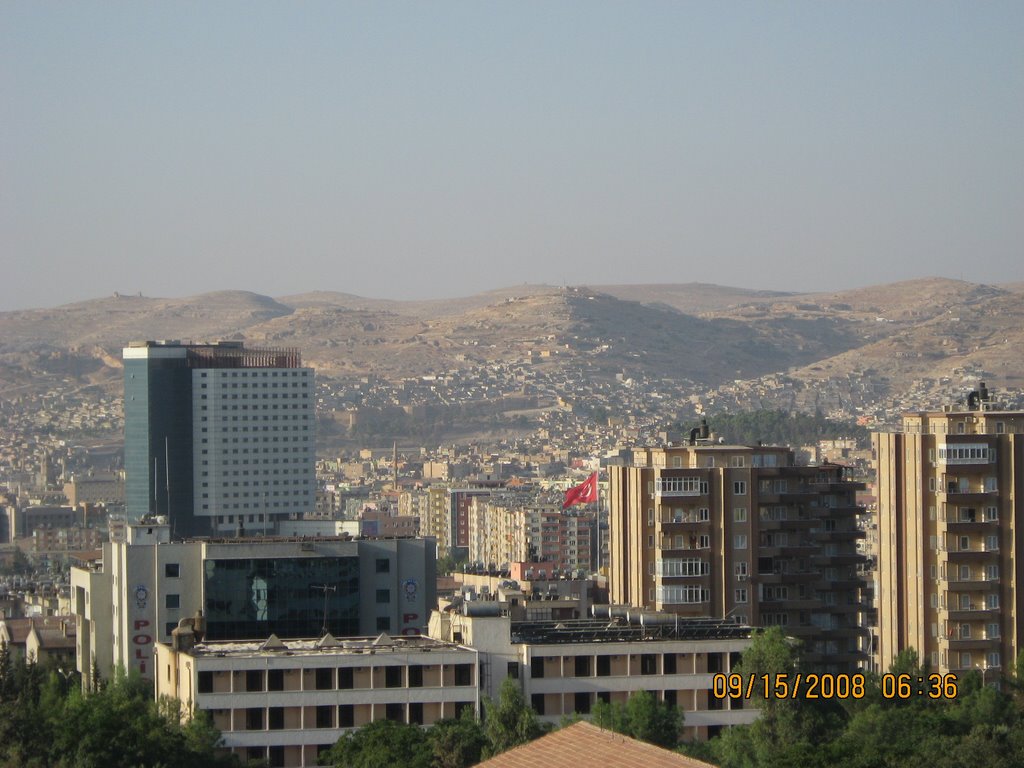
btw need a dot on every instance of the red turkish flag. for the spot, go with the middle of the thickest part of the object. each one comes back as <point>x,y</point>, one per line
<point>582,493</point>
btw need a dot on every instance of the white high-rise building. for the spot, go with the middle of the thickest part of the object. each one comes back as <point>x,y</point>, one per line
<point>219,438</point>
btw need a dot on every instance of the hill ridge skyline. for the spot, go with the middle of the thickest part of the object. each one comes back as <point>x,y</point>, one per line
<point>852,352</point>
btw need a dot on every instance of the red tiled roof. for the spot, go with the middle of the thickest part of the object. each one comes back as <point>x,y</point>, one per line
<point>584,743</point>
<point>54,632</point>
<point>17,630</point>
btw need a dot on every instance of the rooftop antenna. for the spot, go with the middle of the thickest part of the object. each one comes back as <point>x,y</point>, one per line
<point>167,480</point>
<point>326,589</point>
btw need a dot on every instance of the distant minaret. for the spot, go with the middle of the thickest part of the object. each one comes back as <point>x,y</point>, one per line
<point>394,464</point>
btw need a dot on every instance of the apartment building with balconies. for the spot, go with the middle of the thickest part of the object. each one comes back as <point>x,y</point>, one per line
<point>716,530</point>
<point>949,538</point>
<point>507,528</point>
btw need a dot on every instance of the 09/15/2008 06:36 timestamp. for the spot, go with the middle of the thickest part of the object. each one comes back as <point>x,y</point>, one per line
<point>828,686</point>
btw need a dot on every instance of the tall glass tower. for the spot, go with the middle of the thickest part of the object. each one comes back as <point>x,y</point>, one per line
<point>218,438</point>
<point>157,432</point>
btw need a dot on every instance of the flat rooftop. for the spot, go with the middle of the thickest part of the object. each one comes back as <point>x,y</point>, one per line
<point>620,630</point>
<point>328,644</point>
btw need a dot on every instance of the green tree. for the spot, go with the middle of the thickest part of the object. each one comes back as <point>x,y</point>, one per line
<point>119,726</point>
<point>889,736</point>
<point>446,564</point>
<point>611,717</point>
<point>457,742</point>
<point>779,427</point>
<point>994,746</point>
<point>382,744</point>
<point>511,721</point>
<point>6,673</point>
<point>202,739</point>
<point>653,721</point>
<point>643,717</point>
<point>770,654</point>
<point>788,732</point>
<point>907,662</point>
<point>49,722</point>
<point>570,719</point>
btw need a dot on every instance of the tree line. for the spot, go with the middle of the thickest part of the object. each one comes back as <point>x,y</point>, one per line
<point>779,428</point>
<point>47,721</point>
<point>507,723</point>
<point>978,725</point>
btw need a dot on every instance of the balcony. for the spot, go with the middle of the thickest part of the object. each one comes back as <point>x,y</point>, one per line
<point>858,607</point>
<point>691,518</point>
<point>837,558</point>
<point>973,584</point>
<point>786,493</point>
<point>687,544</point>
<point>973,612</point>
<point>846,582</point>
<point>956,643</point>
<point>977,554</point>
<point>787,553</point>
<point>674,487</point>
<point>960,493</point>
<point>681,569</point>
<point>788,577</point>
<point>786,524</point>
<point>835,512</point>
<point>690,595</point>
<point>845,631</point>
<point>703,580</point>
<point>966,455</point>
<point>835,486</point>
<point>846,534</point>
<point>794,603</point>
<point>852,658</point>
<point>958,527</point>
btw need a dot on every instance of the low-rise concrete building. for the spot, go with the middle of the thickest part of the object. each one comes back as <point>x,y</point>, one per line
<point>50,541</point>
<point>246,589</point>
<point>376,523</point>
<point>97,489</point>
<point>564,667</point>
<point>286,701</point>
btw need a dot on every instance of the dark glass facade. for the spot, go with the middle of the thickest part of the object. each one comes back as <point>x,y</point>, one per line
<point>158,440</point>
<point>249,599</point>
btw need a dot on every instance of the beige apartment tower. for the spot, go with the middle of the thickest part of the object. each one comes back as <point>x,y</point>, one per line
<point>738,531</point>
<point>949,541</point>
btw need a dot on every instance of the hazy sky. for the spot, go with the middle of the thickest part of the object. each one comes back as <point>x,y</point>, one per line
<point>416,150</point>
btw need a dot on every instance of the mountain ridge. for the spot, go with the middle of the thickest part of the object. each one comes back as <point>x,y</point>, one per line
<point>704,337</point>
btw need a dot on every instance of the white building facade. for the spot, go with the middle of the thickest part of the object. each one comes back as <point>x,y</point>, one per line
<point>286,702</point>
<point>246,589</point>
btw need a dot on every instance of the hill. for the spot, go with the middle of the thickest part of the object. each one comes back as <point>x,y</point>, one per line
<point>844,352</point>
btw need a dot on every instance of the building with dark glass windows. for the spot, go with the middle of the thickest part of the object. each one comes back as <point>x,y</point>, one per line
<point>246,589</point>
<point>219,438</point>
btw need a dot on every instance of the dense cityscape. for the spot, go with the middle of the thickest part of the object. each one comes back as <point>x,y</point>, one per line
<point>653,578</point>
<point>565,383</point>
